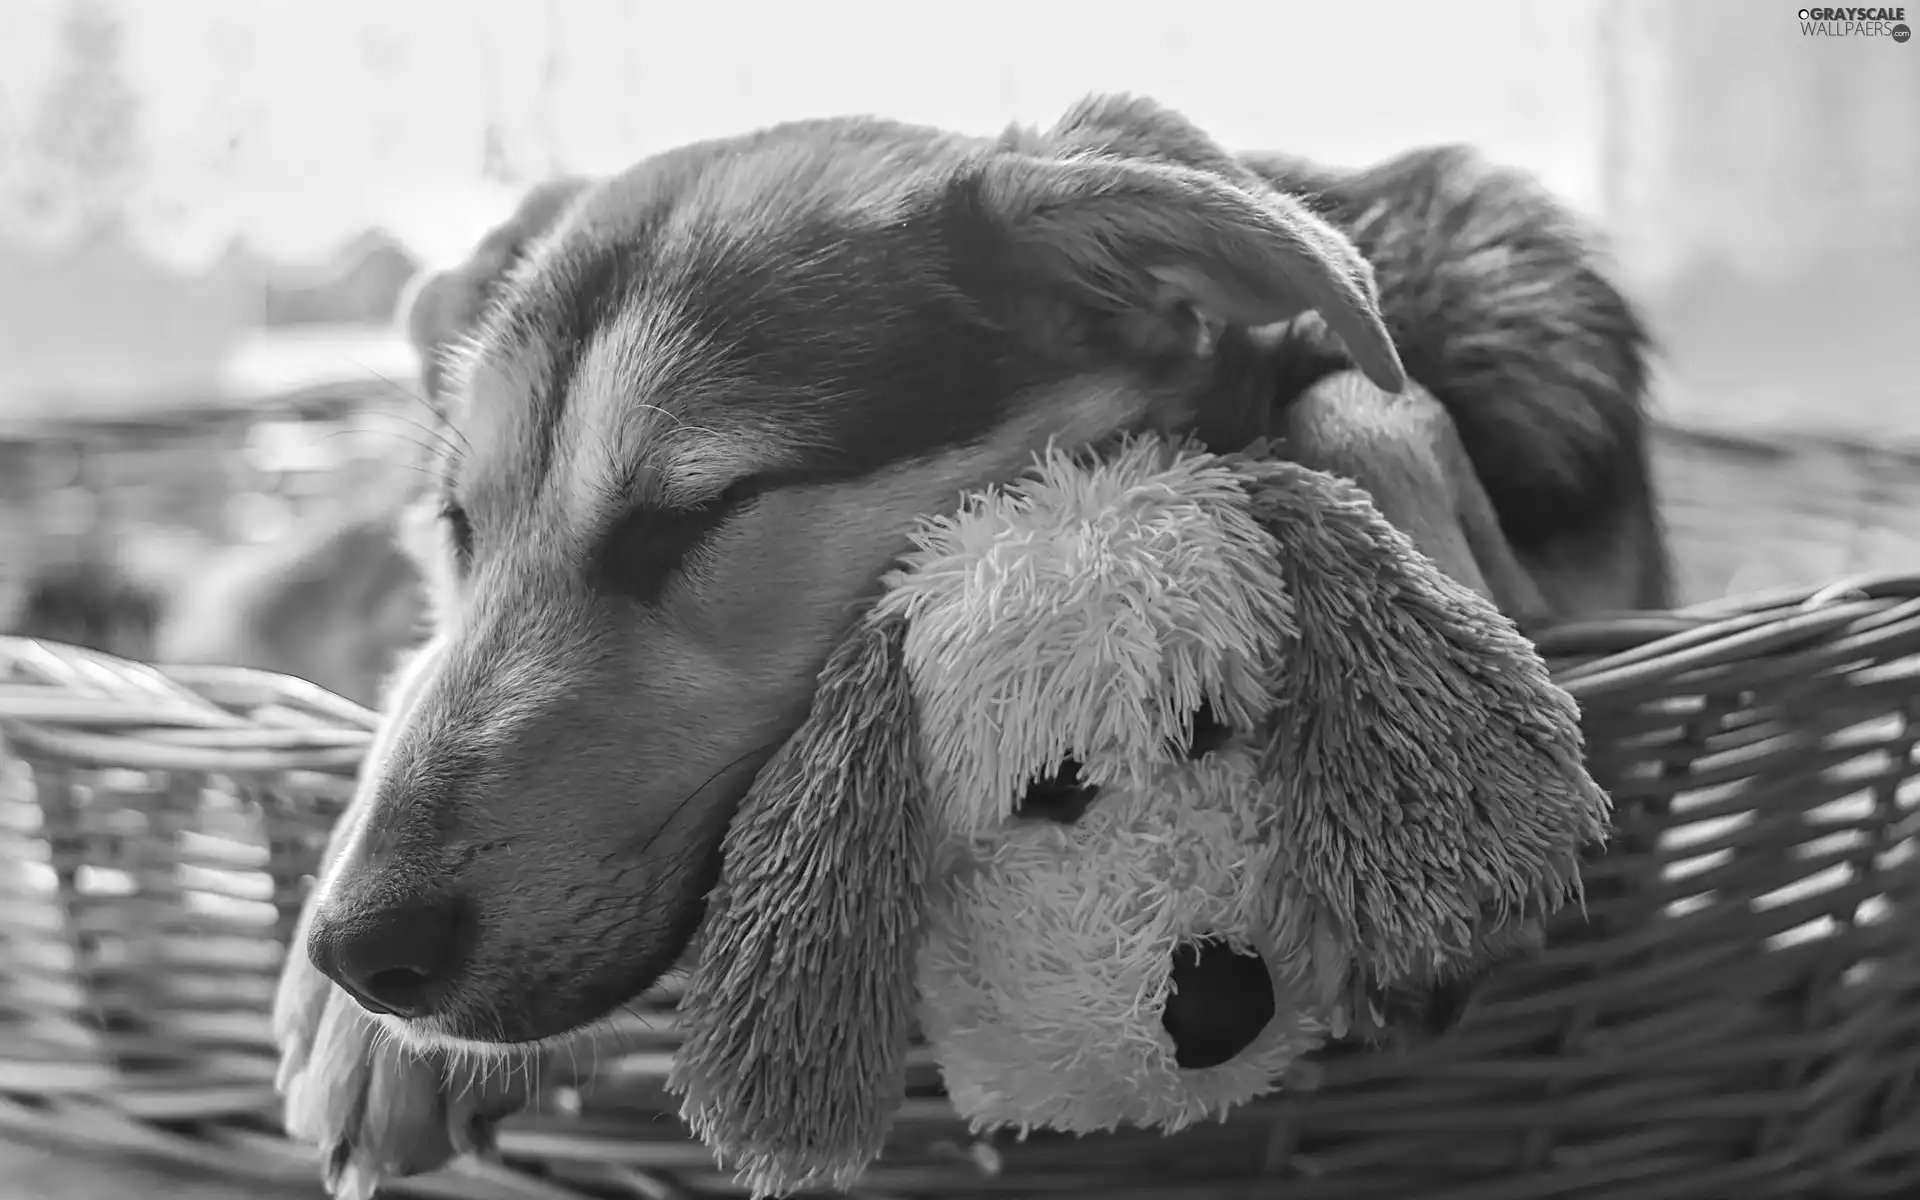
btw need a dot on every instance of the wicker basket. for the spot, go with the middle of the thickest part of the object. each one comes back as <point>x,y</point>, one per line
<point>1738,1015</point>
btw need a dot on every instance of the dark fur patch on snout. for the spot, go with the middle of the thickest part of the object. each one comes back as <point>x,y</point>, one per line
<point>1221,1001</point>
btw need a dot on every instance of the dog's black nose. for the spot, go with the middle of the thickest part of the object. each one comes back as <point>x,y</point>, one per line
<point>1221,1001</point>
<point>397,959</point>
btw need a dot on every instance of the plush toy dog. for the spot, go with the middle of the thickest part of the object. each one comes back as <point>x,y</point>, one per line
<point>1142,777</point>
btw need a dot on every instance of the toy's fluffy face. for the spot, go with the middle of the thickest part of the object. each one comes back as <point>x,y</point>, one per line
<point>1108,943</point>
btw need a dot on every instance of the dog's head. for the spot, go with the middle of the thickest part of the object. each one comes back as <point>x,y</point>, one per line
<point>692,413</point>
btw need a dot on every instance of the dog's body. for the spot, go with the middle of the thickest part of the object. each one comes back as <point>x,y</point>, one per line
<point>335,603</point>
<point>710,397</point>
<point>1499,308</point>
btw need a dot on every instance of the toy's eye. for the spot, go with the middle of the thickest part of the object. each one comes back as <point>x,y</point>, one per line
<point>1061,796</point>
<point>1209,733</point>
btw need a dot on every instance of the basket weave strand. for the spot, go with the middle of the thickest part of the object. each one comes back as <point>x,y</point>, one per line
<point>1737,1012</point>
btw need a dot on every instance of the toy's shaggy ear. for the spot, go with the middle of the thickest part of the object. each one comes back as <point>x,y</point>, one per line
<point>439,308</point>
<point>1430,791</point>
<point>1152,246</point>
<point>801,1007</point>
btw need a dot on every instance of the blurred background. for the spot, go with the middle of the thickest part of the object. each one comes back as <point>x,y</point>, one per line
<point>209,210</point>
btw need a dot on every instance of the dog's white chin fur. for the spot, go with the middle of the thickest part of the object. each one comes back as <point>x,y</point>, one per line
<point>417,1037</point>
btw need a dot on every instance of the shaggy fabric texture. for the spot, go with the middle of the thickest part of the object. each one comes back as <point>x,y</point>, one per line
<point>1425,774</point>
<point>1395,792</point>
<point>801,1007</point>
<point>1086,614</point>
<point>1401,792</point>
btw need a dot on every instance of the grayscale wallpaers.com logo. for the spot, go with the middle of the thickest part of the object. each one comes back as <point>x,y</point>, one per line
<point>1855,22</point>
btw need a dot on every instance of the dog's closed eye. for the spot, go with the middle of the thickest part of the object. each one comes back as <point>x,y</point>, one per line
<point>648,545</point>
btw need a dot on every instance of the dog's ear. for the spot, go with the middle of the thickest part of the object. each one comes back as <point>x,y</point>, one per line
<point>439,308</point>
<point>1406,452</point>
<point>1120,125</point>
<point>1430,797</point>
<point>1129,224</point>
<point>800,1009</point>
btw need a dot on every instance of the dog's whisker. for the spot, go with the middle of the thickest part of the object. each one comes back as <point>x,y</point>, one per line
<point>395,385</point>
<point>442,438</point>
<point>430,449</point>
<point>423,470</point>
<point>680,424</point>
<point>427,449</point>
<point>422,398</point>
<point>706,783</point>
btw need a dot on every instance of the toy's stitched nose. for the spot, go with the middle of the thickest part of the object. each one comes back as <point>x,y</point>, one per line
<point>1221,1001</point>
<point>396,960</point>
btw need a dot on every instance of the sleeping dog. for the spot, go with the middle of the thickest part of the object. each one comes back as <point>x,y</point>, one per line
<point>693,410</point>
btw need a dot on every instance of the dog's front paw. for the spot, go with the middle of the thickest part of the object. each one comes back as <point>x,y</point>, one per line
<point>376,1109</point>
